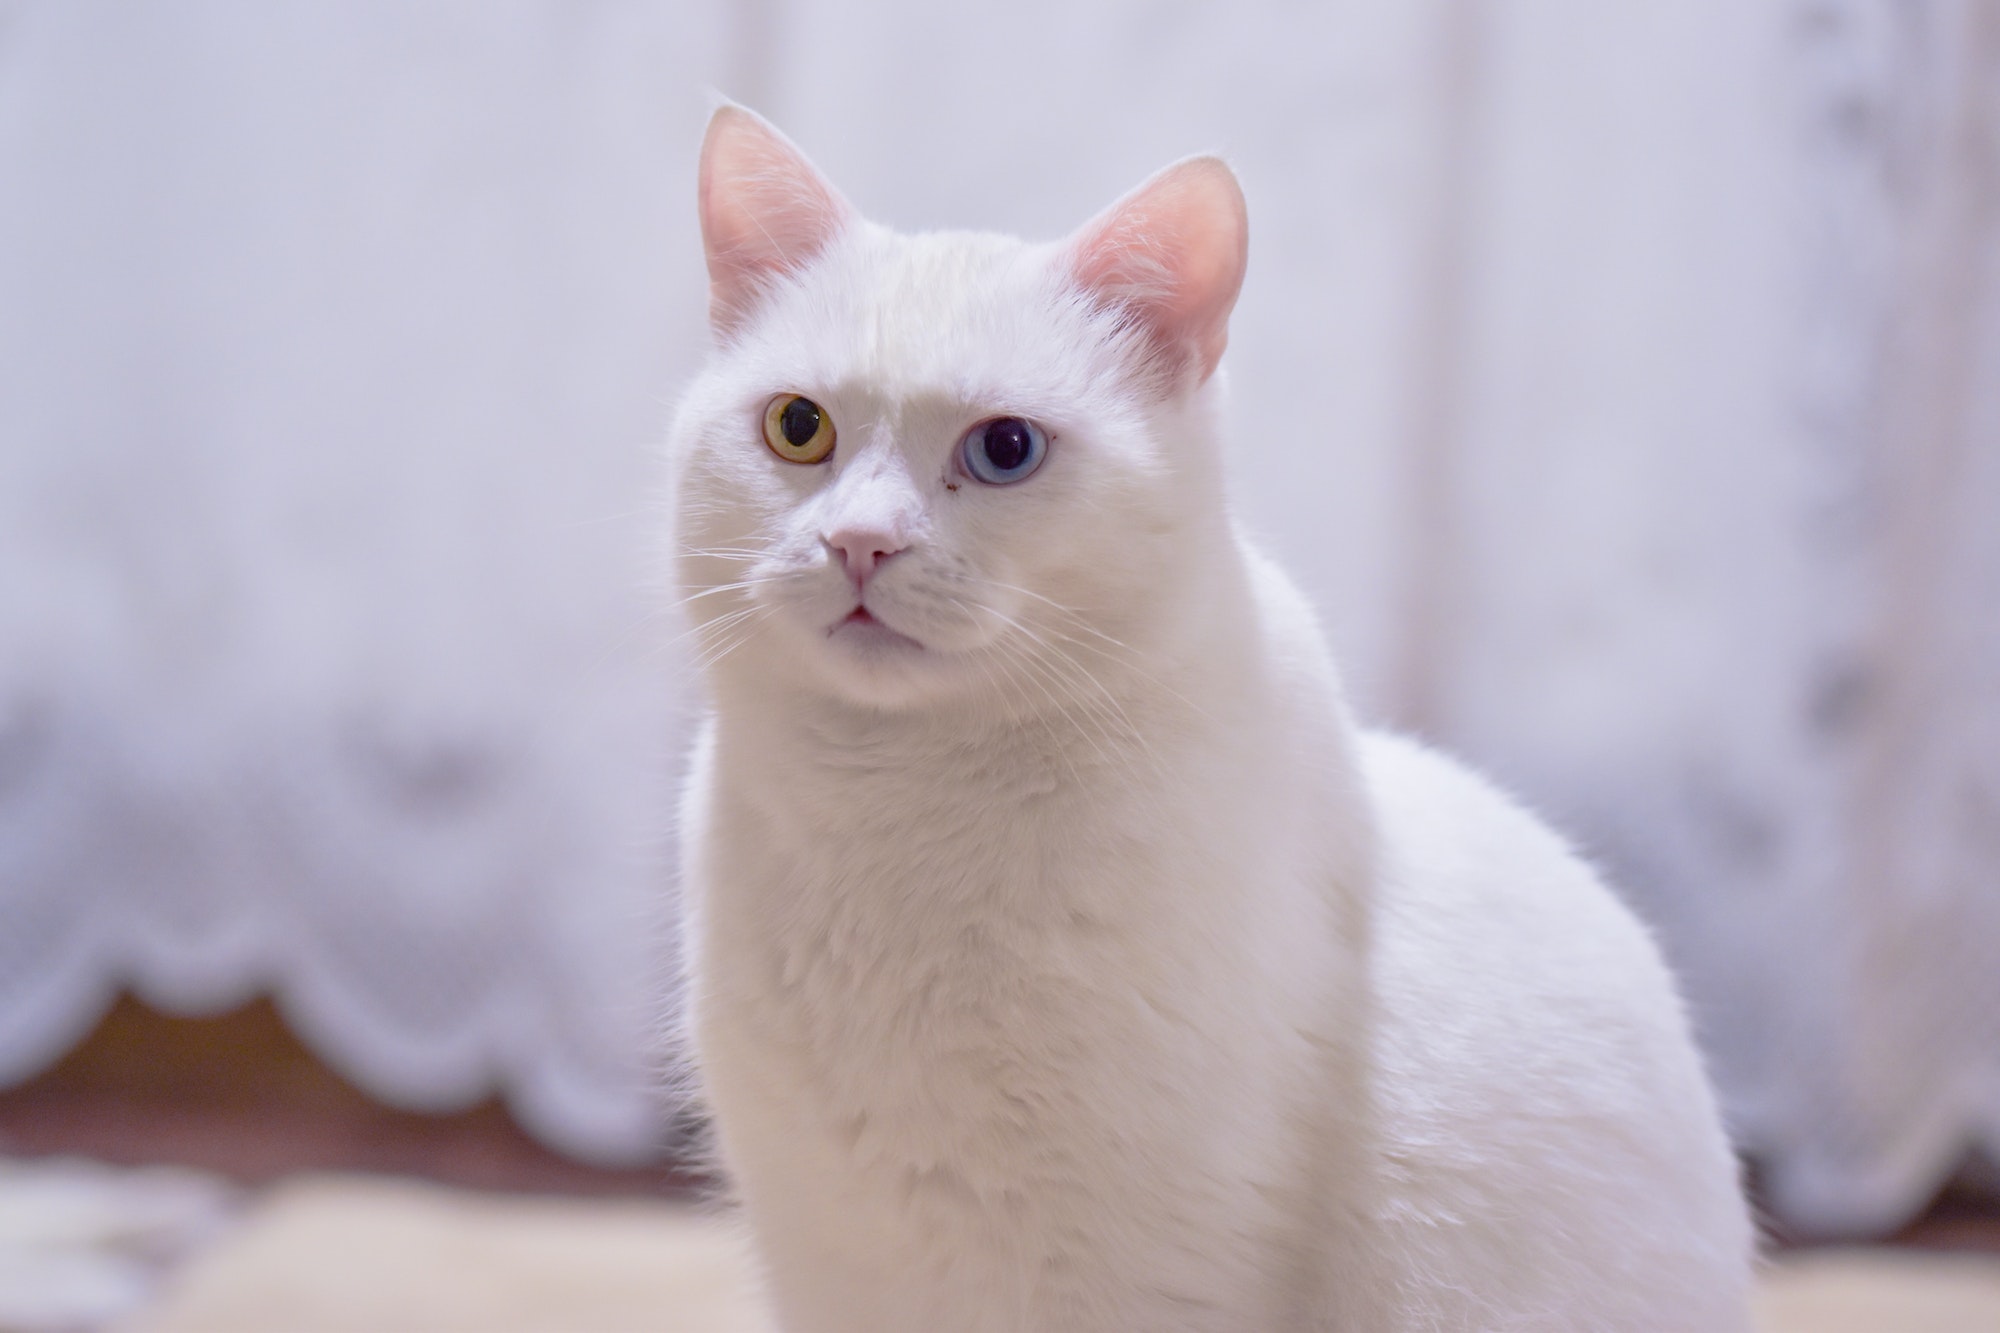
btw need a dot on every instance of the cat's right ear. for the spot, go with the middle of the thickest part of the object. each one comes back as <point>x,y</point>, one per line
<point>765,211</point>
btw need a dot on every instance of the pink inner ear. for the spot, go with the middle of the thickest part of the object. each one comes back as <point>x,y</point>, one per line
<point>765,211</point>
<point>1172,252</point>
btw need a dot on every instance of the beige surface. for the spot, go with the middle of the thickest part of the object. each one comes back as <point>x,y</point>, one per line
<point>1882,1291</point>
<point>342,1254</point>
<point>358,1255</point>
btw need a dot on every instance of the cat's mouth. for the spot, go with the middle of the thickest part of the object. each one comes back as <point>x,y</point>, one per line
<point>862,628</point>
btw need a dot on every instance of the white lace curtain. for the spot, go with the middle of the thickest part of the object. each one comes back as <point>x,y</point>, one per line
<point>1623,382</point>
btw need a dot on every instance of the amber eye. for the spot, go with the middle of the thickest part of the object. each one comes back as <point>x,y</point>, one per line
<point>798,429</point>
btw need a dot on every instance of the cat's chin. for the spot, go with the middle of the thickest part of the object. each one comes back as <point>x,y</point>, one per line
<point>883,667</point>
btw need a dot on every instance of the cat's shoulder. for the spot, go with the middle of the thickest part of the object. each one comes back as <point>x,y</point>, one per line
<point>1471,880</point>
<point>1418,789</point>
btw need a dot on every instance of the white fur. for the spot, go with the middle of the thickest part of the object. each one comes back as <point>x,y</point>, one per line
<point>1085,969</point>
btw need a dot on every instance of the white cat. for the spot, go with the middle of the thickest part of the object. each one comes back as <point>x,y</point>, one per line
<point>1061,957</point>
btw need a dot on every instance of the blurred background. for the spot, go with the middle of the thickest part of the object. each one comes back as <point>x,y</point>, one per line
<point>1623,382</point>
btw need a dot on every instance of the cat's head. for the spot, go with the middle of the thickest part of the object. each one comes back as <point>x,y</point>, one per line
<point>954,465</point>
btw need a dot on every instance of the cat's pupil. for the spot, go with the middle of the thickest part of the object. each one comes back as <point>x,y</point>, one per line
<point>1008,443</point>
<point>799,421</point>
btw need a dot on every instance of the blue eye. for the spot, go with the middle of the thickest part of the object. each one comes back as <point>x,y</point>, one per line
<point>1003,450</point>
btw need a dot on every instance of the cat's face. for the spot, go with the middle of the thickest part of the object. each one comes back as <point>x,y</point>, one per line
<point>945,466</point>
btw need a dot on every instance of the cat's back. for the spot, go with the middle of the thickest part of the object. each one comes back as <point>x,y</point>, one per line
<point>1549,1141</point>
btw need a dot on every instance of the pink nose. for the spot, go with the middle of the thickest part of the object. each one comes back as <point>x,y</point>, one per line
<point>861,551</point>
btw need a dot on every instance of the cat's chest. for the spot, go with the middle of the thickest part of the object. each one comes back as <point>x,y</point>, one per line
<point>944,1008</point>
<point>959,933</point>
<point>958,897</point>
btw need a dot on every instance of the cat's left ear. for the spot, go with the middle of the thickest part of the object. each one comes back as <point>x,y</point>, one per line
<point>1172,253</point>
<point>765,211</point>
